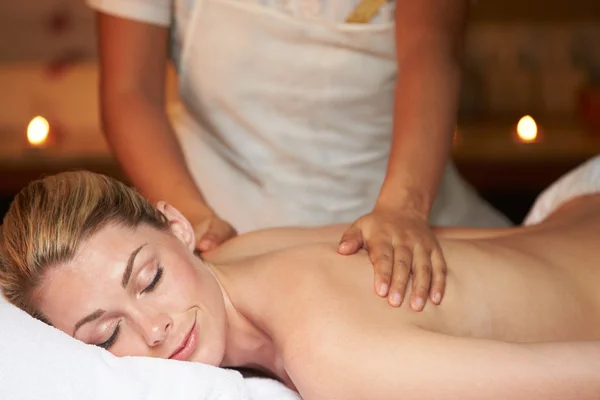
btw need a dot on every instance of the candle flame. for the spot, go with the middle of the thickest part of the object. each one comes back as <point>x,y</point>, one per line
<point>527,129</point>
<point>37,131</point>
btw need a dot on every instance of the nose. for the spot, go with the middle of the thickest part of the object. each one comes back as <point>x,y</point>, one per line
<point>156,328</point>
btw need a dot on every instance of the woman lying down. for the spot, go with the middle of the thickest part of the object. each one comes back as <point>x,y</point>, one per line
<point>519,320</point>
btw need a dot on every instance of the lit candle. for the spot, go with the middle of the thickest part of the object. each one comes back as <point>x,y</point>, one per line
<point>38,131</point>
<point>527,130</point>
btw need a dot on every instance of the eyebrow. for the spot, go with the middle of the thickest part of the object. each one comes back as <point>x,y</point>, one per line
<point>129,268</point>
<point>93,316</point>
<point>126,275</point>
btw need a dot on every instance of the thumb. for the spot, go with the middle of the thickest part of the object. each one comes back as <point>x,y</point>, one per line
<point>352,241</point>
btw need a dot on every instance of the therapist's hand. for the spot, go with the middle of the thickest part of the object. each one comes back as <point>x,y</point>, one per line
<point>399,243</point>
<point>211,231</point>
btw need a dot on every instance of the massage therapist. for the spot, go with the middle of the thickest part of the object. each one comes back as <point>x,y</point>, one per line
<point>296,112</point>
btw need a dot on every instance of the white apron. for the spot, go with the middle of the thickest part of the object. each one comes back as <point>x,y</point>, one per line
<point>286,118</point>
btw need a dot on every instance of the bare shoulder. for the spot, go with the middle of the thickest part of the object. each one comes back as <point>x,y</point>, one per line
<point>296,282</point>
<point>337,355</point>
<point>266,241</point>
<point>319,336</point>
<point>330,316</point>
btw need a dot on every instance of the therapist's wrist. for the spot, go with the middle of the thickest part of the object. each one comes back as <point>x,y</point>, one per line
<point>404,201</point>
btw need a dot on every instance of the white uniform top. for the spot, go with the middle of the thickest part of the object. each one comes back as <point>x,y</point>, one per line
<point>286,112</point>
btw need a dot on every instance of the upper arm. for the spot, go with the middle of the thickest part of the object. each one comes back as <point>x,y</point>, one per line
<point>133,58</point>
<point>411,363</point>
<point>274,239</point>
<point>422,24</point>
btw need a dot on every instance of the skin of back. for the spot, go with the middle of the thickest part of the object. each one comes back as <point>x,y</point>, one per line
<point>534,285</point>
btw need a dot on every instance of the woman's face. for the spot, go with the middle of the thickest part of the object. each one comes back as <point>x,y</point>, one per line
<point>139,292</point>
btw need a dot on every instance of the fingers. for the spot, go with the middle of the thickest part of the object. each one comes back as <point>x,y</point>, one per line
<point>352,241</point>
<point>421,278</point>
<point>439,271</point>
<point>208,240</point>
<point>401,267</point>
<point>204,240</point>
<point>222,231</point>
<point>217,232</point>
<point>382,256</point>
<point>207,243</point>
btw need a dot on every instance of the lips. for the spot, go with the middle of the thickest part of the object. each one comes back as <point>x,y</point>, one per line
<point>187,345</point>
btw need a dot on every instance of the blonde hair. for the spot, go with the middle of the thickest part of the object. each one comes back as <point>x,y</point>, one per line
<point>51,217</point>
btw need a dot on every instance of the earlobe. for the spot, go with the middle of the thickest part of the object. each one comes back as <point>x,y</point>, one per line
<point>178,224</point>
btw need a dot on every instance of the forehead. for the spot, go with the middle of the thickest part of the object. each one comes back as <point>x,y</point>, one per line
<point>112,243</point>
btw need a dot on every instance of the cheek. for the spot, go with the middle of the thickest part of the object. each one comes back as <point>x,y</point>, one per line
<point>192,285</point>
<point>186,279</point>
<point>184,286</point>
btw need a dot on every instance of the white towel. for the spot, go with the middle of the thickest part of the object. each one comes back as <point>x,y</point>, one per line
<point>263,388</point>
<point>581,181</point>
<point>38,362</point>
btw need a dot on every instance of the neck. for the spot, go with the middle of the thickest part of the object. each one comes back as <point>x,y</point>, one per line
<point>247,343</point>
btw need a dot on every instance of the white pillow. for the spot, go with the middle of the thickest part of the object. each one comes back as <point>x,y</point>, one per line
<point>41,362</point>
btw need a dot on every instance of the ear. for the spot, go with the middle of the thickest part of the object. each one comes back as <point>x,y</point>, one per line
<point>178,224</point>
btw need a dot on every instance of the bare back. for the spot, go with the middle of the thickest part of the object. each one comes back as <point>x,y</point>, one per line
<point>537,284</point>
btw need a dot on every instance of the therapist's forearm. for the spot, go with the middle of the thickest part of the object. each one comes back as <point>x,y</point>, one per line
<point>144,143</point>
<point>426,104</point>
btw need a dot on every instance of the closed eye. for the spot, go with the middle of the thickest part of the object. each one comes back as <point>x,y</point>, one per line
<point>155,281</point>
<point>111,340</point>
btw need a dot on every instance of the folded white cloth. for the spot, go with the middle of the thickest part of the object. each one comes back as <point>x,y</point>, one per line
<point>581,181</point>
<point>263,388</point>
<point>38,362</point>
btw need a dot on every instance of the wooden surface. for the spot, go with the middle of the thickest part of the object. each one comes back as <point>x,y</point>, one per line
<point>535,10</point>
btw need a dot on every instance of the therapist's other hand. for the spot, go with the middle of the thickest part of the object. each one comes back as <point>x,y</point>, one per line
<point>399,243</point>
<point>211,231</point>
